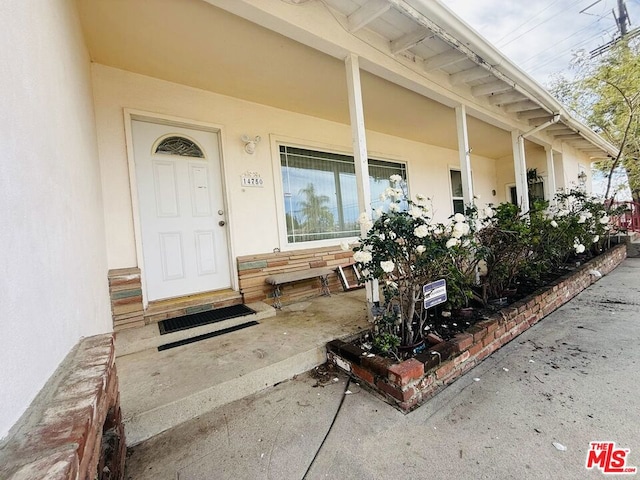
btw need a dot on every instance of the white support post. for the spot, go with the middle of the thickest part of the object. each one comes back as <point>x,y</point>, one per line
<point>551,176</point>
<point>520,166</point>
<point>356,112</point>
<point>465,155</point>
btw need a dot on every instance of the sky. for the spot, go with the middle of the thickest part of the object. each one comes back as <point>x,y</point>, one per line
<point>541,36</point>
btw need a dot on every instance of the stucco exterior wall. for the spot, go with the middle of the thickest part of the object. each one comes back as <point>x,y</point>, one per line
<point>251,210</point>
<point>567,164</point>
<point>53,263</point>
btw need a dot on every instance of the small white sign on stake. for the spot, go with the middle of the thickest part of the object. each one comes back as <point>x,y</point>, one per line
<point>434,293</point>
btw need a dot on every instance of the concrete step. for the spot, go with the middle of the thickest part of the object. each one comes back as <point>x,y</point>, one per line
<point>148,337</point>
<point>178,307</point>
<point>159,390</point>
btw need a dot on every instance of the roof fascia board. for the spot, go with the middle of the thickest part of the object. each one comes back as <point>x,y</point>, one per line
<point>454,27</point>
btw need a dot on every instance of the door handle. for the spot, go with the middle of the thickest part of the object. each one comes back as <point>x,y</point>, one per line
<point>222,223</point>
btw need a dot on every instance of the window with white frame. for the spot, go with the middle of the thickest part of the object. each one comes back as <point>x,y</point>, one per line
<point>321,194</point>
<point>456,191</point>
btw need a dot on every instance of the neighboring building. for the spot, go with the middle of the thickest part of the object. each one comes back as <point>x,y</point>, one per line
<point>172,137</point>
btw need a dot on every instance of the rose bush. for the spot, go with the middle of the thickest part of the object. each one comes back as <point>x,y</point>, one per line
<point>482,254</point>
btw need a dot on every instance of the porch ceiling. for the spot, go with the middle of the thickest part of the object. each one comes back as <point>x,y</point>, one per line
<point>191,42</point>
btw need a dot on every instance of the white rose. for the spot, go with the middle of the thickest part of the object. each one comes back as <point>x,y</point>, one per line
<point>344,246</point>
<point>395,178</point>
<point>392,235</point>
<point>420,249</point>
<point>415,211</point>
<point>582,219</point>
<point>488,212</point>
<point>554,224</point>
<point>394,207</point>
<point>604,219</point>
<point>378,212</point>
<point>460,229</point>
<point>452,242</point>
<point>362,257</point>
<point>421,231</point>
<point>596,238</point>
<point>458,217</point>
<point>588,214</point>
<point>382,237</point>
<point>579,248</point>
<point>387,266</point>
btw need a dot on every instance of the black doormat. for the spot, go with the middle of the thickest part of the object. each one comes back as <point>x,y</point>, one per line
<point>203,318</point>
<point>217,333</point>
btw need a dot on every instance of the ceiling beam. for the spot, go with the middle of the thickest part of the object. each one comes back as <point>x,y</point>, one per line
<point>409,40</point>
<point>523,106</point>
<point>557,126</point>
<point>573,136</point>
<point>366,14</point>
<point>490,88</point>
<point>539,115</point>
<point>504,98</point>
<point>443,59</point>
<point>475,73</point>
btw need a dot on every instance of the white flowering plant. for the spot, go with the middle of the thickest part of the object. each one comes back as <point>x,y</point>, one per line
<point>581,225</point>
<point>404,250</point>
<point>526,248</point>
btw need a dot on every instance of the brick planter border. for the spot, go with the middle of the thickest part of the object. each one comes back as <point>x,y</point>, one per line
<point>409,383</point>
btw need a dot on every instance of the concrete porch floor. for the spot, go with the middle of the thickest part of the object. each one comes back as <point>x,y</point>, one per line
<point>160,390</point>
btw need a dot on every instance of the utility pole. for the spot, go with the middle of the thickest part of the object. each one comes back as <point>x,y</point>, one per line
<point>622,19</point>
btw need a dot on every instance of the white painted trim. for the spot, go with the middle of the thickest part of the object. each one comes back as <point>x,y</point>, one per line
<point>550,185</point>
<point>464,155</point>
<point>455,168</point>
<point>520,168</point>
<point>162,119</point>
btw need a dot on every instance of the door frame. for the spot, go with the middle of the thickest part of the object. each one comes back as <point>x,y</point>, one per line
<point>129,116</point>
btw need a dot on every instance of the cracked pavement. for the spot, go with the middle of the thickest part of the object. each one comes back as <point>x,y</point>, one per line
<point>571,379</point>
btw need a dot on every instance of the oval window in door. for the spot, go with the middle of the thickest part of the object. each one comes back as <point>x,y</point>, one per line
<point>174,145</point>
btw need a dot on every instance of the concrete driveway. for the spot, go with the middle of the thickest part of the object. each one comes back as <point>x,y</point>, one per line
<point>571,379</point>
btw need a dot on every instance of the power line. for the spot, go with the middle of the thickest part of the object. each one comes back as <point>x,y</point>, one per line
<point>555,44</point>
<point>544,63</point>
<point>535,26</point>
<point>524,23</point>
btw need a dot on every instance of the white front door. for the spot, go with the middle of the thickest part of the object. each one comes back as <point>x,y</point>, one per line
<point>182,217</point>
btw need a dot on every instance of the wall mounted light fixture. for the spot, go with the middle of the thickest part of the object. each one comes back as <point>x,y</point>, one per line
<point>582,177</point>
<point>250,143</point>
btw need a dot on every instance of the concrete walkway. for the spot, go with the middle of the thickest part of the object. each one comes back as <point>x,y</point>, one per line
<point>571,379</point>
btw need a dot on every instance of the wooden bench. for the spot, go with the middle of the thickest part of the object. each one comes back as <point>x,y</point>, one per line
<point>283,278</point>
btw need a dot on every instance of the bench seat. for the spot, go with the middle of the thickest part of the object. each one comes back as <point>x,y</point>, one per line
<point>290,277</point>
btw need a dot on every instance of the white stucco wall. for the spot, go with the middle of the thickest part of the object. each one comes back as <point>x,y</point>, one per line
<point>54,276</point>
<point>251,210</point>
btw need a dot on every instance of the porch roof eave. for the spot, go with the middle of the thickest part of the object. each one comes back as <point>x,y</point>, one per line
<point>525,103</point>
